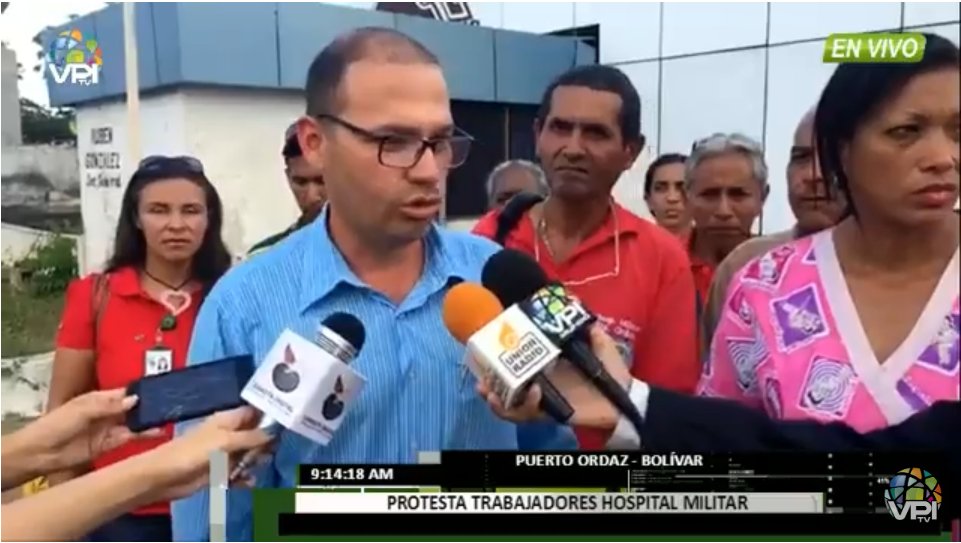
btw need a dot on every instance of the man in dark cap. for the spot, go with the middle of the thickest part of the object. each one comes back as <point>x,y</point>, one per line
<point>305,182</point>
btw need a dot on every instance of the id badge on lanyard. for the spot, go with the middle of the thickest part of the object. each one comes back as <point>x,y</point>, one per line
<point>157,360</point>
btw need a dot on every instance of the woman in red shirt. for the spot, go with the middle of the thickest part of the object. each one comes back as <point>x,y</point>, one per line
<point>136,318</point>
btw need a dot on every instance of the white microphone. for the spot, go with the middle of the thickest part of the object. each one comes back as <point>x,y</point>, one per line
<point>513,351</point>
<point>504,347</point>
<point>307,386</point>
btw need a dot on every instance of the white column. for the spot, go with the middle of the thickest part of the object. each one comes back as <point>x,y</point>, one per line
<point>133,87</point>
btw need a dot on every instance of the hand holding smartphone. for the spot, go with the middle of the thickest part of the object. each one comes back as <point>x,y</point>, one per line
<point>189,393</point>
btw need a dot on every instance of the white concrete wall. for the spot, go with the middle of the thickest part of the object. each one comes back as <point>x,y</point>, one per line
<point>238,135</point>
<point>58,163</point>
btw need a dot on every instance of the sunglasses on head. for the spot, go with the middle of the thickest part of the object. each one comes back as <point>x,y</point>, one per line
<point>156,163</point>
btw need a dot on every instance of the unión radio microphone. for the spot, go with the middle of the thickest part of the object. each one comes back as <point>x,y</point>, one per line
<point>506,348</point>
<point>515,278</point>
<point>307,386</point>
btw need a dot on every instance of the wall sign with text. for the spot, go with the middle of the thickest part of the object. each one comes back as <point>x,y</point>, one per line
<point>102,164</point>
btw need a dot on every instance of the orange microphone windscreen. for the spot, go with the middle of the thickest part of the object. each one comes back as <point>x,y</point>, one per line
<point>467,308</point>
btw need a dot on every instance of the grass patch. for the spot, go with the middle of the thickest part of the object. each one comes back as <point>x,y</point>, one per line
<point>29,322</point>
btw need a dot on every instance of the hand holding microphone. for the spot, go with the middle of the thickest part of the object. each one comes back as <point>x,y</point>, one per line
<point>505,350</point>
<point>183,463</point>
<point>591,408</point>
<point>519,281</point>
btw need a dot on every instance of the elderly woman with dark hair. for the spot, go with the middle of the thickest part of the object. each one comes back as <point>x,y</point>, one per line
<point>860,323</point>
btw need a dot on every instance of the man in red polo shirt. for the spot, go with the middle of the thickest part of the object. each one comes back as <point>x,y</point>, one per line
<point>726,181</point>
<point>632,274</point>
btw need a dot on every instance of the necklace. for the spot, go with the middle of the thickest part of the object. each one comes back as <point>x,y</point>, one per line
<point>541,230</point>
<point>175,300</point>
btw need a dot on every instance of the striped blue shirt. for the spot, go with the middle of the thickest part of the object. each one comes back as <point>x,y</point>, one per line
<point>418,395</point>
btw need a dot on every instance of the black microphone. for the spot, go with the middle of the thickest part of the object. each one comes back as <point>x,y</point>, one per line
<point>516,278</point>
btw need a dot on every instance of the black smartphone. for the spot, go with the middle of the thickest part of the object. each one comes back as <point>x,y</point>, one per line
<point>189,393</point>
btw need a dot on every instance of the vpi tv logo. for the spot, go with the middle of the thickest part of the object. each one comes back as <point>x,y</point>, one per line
<point>557,313</point>
<point>915,494</point>
<point>73,58</point>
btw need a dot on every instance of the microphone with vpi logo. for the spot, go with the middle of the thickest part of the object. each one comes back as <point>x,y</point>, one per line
<point>307,386</point>
<point>519,282</point>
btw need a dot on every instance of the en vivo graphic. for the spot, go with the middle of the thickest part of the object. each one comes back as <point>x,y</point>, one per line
<point>875,47</point>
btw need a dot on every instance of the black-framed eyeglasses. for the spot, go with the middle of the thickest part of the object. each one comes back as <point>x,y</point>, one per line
<point>156,163</point>
<point>396,151</point>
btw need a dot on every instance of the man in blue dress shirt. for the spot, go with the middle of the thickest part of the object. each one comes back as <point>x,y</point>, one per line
<point>379,126</point>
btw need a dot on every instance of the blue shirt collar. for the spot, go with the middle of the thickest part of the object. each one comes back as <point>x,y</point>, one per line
<point>325,269</point>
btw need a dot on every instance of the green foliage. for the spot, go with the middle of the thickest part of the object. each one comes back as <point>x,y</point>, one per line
<point>33,296</point>
<point>50,266</point>
<point>29,322</point>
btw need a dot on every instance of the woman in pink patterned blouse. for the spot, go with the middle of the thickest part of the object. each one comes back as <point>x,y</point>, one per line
<point>860,323</point>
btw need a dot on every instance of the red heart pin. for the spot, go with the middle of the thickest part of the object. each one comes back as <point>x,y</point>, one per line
<point>175,301</point>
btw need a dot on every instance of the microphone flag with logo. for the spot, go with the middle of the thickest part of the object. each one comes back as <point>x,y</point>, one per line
<point>504,347</point>
<point>307,386</point>
<point>516,278</point>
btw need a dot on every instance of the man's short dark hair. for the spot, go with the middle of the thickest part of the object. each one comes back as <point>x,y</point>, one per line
<point>291,148</point>
<point>601,78</point>
<point>663,160</point>
<point>369,43</point>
